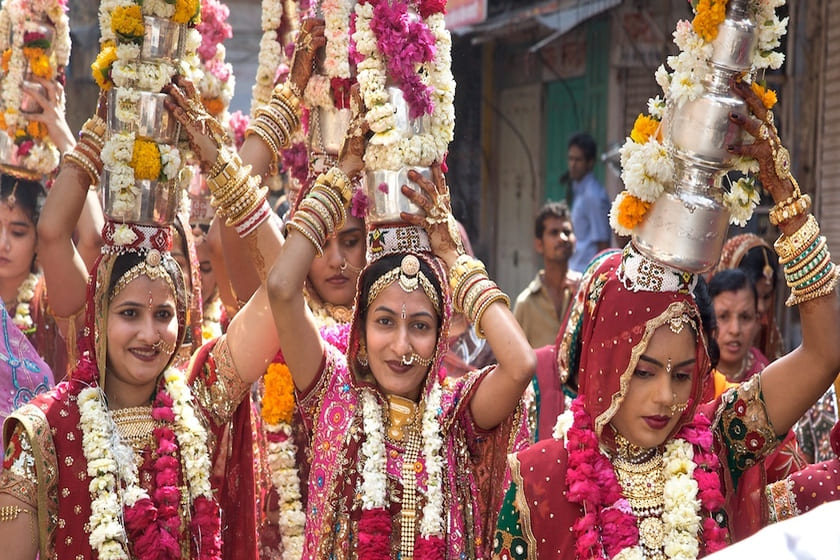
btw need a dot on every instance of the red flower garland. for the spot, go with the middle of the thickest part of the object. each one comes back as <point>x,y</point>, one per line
<point>375,534</point>
<point>592,483</point>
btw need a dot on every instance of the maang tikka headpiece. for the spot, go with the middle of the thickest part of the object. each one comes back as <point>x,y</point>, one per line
<point>410,277</point>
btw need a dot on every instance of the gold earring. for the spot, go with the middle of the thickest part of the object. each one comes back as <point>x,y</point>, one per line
<point>361,357</point>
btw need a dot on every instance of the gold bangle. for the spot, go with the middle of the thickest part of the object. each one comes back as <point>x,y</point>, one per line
<point>788,247</point>
<point>497,295</point>
<point>811,273</point>
<point>301,229</point>
<point>337,179</point>
<point>806,256</point>
<point>788,210</point>
<point>824,289</point>
<point>461,269</point>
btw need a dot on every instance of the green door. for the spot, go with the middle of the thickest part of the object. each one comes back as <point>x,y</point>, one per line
<point>577,105</point>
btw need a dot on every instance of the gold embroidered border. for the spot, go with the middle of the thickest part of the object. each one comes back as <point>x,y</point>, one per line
<point>781,500</point>
<point>521,503</point>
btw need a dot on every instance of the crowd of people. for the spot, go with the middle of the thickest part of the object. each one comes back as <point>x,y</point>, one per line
<point>318,385</point>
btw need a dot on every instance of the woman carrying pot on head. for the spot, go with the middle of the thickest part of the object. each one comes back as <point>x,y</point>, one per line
<point>405,462</point>
<point>32,343</point>
<point>131,457</point>
<point>642,467</point>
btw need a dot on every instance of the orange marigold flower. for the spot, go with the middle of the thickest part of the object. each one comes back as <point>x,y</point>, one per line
<point>278,401</point>
<point>101,67</point>
<point>36,129</point>
<point>708,15</point>
<point>631,211</point>
<point>768,96</point>
<point>644,128</point>
<point>3,124</point>
<point>214,105</point>
<point>39,62</point>
<point>145,160</point>
<point>7,56</point>
<point>187,11</point>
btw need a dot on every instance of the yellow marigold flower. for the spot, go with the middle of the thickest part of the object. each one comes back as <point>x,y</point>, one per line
<point>127,22</point>
<point>708,15</point>
<point>278,401</point>
<point>145,160</point>
<point>186,11</point>
<point>768,96</point>
<point>20,134</point>
<point>101,67</point>
<point>7,56</point>
<point>644,128</point>
<point>631,211</point>
<point>36,130</point>
<point>39,62</point>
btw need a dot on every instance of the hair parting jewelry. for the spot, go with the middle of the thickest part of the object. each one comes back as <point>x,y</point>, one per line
<point>410,277</point>
<point>668,368</point>
<point>402,312</point>
<point>151,267</point>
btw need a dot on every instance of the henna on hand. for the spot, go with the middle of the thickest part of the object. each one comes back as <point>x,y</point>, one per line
<point>310,39</point>
<point>439,223</point>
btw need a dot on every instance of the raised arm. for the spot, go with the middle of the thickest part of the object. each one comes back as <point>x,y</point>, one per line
<point>299,337</point>
<point>486,307</point>
<point>65,271</point>
<point>811,367</point>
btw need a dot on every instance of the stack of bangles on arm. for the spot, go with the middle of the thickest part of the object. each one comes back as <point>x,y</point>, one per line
<point>809,271</point>
<point>276,122</point>
<point>85,153</point>
<point>472,291</point>
<point>323,210</point>
<point>236,194</point>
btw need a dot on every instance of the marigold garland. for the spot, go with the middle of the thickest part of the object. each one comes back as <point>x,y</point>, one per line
<point>101,67</point>
<point>644,128</point>
<point>768,96</point>
<point>632,211</point>
<point>708,16</point>
<point>145,159</point>
<point>278,402</point>
<point>127,23</point>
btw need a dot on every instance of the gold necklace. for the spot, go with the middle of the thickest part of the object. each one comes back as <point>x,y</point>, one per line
<point>135,426</point>
<point>403,414</point>
<point>642,479</point>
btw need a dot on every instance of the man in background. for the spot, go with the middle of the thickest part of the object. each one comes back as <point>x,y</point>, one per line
<point>590,204</point>
<point>541,306</point>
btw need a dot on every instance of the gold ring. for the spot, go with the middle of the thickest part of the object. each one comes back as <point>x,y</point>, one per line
<point>762,132</point>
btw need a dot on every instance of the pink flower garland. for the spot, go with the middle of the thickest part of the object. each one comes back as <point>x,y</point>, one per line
<point>592,483</point>
<point>375,535</point>
<point>405,43</point>
<point>214,27</point>
<point>153,524</point>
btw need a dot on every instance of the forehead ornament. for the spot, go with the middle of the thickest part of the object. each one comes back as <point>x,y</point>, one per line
<point>151,267</point>
<point>410,277</point>
<point>677,323</point>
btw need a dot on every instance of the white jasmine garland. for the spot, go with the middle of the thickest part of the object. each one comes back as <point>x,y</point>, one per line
<point>564,422</point>
<point>282,464</point>
<point>614,211</point>
<point>25,293</point>
<point>388,149</point>
<point>432,522</point>
<point>271,54</point>
<point>373,451</point>
<point>124,235</point>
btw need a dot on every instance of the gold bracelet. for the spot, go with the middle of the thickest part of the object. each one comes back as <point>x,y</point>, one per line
<point>788,247</point>
<point>461,269</point>
<point>806,256</point>
<point>788,210</point>
<point>824,289</point>
<point>496,295</point>
<point>336,178</point>
<point>810,274</point>
<point>303,230</point>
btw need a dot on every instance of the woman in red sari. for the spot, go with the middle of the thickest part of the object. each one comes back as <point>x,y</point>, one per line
<point>642,468</point>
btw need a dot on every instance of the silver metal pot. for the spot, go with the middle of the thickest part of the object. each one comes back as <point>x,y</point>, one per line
<point>685,229</point>
<point>156,204</point>
<point>386,201</point>
<point>736,38</point>
<point>328,129</point>
<point>153,120</point>
<point>163,40</point>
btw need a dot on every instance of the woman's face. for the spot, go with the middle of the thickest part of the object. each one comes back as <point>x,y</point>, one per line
<point>397,325</point>
<point>663,378</point>
<point>17,242</point>
<point>737,325</point>
<point>765,302</point>
<point>346,250</point>
<point>142,332</point>
<point>205,266</point>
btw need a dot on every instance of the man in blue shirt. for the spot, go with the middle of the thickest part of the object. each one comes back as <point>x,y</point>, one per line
<point>590,205</point>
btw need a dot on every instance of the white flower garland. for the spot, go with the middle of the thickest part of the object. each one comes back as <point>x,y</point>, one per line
<point>284,476</point>
<point>374,477</point>
<point>211,320</point>
<point>271,54</point>
<point>110,461</point>
<point>16,18</point>
<point>337,51</point>
<point>388,148</point>
<point>647,168</point>
<point>131,75</point>
<point>681,510</point>
<point>23,314</point>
